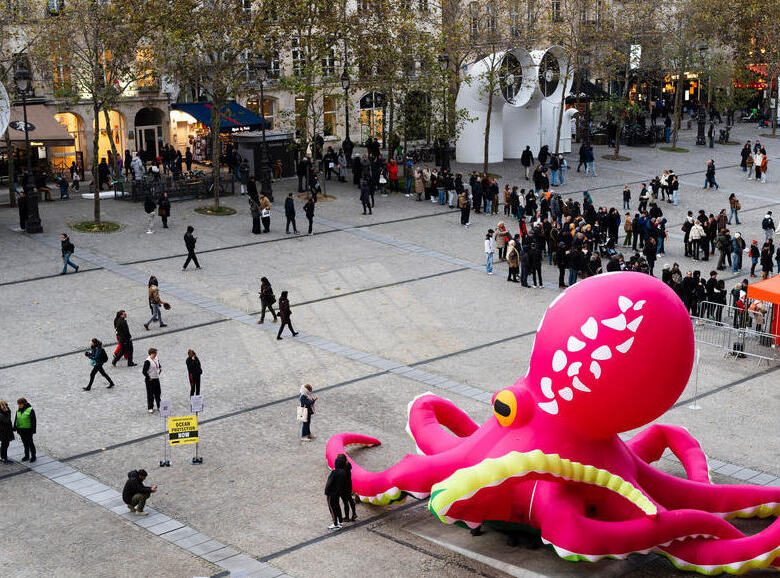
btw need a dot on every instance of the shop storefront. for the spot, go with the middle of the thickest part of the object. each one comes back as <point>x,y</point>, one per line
<point>46,136</point>
<point>191,127</point>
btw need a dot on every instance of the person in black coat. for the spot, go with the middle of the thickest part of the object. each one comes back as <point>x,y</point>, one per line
<point>189,242</point>
<point>164,209</point>
<point>194,372</point>
<point>365,196</point>
<point>124,339</point>
<point>302,170</point>
<point>308,208</point>
<point>346,495</point>
<point>535,264</point>
<point>335,487</point>
<point>285,313</point>
<point>98,357</point>
<point>527,159</point>
<point>267,299</point>
<point>289,213</point>
<point>6,431</point>
<point>135,494</point>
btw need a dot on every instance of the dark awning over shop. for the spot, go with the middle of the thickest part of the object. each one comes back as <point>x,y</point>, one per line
<point>234,116</point>
<point>47,131</point>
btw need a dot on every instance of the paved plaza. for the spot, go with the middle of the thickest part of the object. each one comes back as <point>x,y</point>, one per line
<point>389,306</point>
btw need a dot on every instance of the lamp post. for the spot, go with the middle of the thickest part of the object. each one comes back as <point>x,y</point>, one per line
<point>701,117</point>
<point>444,63</point>
<point>23,86</point>
<point>347,145</point>
<point>265,170</point>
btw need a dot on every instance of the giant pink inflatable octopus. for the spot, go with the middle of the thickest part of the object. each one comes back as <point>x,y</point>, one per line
<point>612,353</point>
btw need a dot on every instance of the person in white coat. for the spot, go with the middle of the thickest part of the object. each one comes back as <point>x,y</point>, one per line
<point>137,165</point>
<point>490,249</point>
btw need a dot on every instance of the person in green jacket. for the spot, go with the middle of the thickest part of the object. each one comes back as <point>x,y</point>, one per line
<point>25,425</point>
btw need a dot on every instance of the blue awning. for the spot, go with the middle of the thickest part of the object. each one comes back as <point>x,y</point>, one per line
<point>235,117</point>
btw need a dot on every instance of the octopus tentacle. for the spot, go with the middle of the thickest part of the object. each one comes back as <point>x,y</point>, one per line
<point>427,414</point>
<point>412,475</point>
<point>727,501</point>
<point>583,538</point>
<point>734,556</point>
<point>649,446</point>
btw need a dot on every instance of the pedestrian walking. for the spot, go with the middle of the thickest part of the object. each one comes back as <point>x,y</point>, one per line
<point>754,253</point>
<point>194,371</point>
<point>149,207</point>
<point>26,426</point>
<point>334,489</point>
<point>526,160</point>
<point>267,300</point>
<point>307,401</point>
<point>189,242</point>
<point>365,196</point>
<point>6,431</point>
<point>97,356</point>
<point>758,161</point>
<point>590,161</point>
<point>626,198</point>
<point>308,210</point>
<point>151,371</point>
<point>155,303</point>
<point>135,494</point>
<point>735,206</point>
<point>164,209</point>
<point>289,213</point>
<point>124,339</point>
<point>490,249</point>
<point>285,313</point>
<point>67,248</point>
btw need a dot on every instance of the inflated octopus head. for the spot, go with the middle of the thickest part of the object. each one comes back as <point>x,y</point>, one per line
<point>612,353</point>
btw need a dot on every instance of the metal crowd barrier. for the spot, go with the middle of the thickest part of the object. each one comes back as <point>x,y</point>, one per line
<point>737,332</point>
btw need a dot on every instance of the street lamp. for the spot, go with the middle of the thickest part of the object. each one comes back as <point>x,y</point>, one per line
<point>23,86</point>
<point>444,64</point>
<point>261,67</point>
<point>347,145</point>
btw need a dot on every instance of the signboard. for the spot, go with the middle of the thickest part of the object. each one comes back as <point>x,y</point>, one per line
<point>183,430</point>
<point>196,403</point>
<point>165,408</point>
<point>20,124</point>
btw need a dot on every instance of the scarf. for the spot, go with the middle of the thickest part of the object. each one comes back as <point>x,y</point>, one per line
<point>305,392</point>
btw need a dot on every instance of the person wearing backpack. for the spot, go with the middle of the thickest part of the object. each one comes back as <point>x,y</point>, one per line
<point>768,225</point>
<point>67,250</point>
<point>98,357</point>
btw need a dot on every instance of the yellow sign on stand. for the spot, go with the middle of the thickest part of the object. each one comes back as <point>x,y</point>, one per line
<point>183,430</point>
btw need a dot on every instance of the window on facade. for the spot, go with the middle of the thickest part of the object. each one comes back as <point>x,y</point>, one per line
<point>54,6</point>
<point>147,79</point>
<point>253,104</point>
<point>599,10</point>
<point>406,5</point>
<point>364,5</point>
<point>514,22</point>
<point>490,13</point>
<point>531,6</point>
<point>297,57</point>
<point>61,78</point>
<point>422,5</point>
<point>329,115</point>
<point>275,65</point>
<point>557,10</point>
<point>246,5</point>
<point>329,64</point>
<point>300,117</point>
<point>474,19</point>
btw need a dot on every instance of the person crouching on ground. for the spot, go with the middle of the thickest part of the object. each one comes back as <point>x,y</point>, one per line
<point>135,494</point>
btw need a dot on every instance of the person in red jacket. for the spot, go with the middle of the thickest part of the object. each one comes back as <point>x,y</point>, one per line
<point>392,175</point>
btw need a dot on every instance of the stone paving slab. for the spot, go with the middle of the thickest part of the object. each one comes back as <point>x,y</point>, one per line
<point>179,534</point>
<point>206,547</point>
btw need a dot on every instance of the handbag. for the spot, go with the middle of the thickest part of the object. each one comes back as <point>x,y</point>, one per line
<point>302,416</point>
<point>265,213</point>
<point>382,180</point>
<point>166,306</point>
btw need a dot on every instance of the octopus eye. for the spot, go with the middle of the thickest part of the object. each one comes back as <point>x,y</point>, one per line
<point>505,407</point>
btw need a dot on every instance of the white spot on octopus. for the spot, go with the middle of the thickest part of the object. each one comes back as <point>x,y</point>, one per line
<point>546,385</point>
<point>550,407</point>
<point>617,323</point>
<point>566,393</point>
<point>624,303</point>
<point>574,344</point>
<point>602,353</point>
<point>574,368</point>
<point>595,369</point>
<point>578,385</point>
<point>625,346</point>
<point>634,325</point>
<point>559,360</point>
<point>590,328</point>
